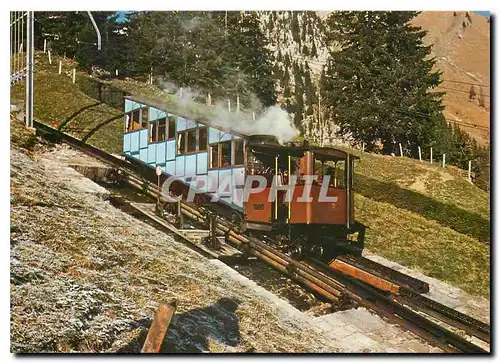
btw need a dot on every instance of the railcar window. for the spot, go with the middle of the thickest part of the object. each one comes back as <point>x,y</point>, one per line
<point>181,143</point>
<point>162,129</point>
<point>214,156</point>
<point>136,120</point>
<point>239,153</point>
<point>153,132</point>
<point>144,117</point>
<point>203,138</point>
<point>171,127</point>
<point>191,140</point>
<point>339,181</point>
<point>225,154</point>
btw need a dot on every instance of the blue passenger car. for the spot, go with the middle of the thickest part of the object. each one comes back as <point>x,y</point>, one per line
<point>185,147</point>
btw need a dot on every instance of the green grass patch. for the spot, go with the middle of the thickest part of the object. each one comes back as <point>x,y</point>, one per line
<point>425,245</point>
<point>446,185</point>
<point>60,103</point>
<point>461,220</point>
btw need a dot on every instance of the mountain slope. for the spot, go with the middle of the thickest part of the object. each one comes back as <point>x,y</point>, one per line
<point>461,45</point>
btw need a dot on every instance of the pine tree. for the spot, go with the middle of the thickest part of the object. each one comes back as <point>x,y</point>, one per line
<point>376,88</point>
<point>221,52</point>
<point>73,34</point>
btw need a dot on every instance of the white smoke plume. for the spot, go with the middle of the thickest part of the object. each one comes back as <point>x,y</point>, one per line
<point>271,121</point>
<point>274,121</point>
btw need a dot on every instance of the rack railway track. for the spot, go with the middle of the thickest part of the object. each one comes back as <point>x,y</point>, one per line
<point>395,296</point>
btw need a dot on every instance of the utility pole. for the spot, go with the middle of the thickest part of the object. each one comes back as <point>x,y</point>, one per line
<point>96,30</point>
<point>29,70</point>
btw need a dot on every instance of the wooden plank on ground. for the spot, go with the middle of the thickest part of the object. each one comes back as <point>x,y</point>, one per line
<point>159,327</point>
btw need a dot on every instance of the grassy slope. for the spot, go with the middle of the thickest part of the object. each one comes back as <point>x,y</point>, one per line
<point>60,103</point>
<point>425,217</point>
<point>420,215</point>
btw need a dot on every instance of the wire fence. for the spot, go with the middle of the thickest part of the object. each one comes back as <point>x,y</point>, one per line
<point>18,41</point>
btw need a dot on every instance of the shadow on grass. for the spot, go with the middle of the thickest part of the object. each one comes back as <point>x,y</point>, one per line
<point>448,215</point>
<point>102,124</point>
<point>193,331</point>
<point>62,126</point>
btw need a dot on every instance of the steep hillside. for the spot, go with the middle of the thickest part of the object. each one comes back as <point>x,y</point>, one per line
<point>62,104</point>
<point>420,215</point>
<point>300,50</point>
<point>461,45</point>
<point>462,50</point>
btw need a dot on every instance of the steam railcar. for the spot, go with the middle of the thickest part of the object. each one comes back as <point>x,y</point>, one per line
<point>201,151</point>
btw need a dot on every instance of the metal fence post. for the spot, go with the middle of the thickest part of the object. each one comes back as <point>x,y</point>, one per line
<point>29,73</point>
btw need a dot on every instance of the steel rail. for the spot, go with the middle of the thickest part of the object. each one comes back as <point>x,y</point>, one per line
<point>402,315</point>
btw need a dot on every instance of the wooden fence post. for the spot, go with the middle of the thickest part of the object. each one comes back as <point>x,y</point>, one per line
<point>400,149</point>
<point>363,147</point>
<point>253,115</point>
<point>419,153</point>
<point>229,105</point>
<point>50,58</point>
<point>470,171</point>
<point>209,99</point>
<point>45,45</point>
<point>116,72</point>
<point>60,66</point>
<point>444,160</point>
<point>431,155</point>
<point>237,103</point>
<point>74,75</point>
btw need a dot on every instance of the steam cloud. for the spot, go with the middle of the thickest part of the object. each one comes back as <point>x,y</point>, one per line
<point>272,121</point>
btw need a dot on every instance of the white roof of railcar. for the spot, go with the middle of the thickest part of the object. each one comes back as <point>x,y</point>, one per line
<point>195,111</point>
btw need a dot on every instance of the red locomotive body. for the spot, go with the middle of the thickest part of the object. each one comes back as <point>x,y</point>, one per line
<point>319,216</point>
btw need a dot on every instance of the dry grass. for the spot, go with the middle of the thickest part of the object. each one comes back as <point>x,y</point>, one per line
<point>86,277</point>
